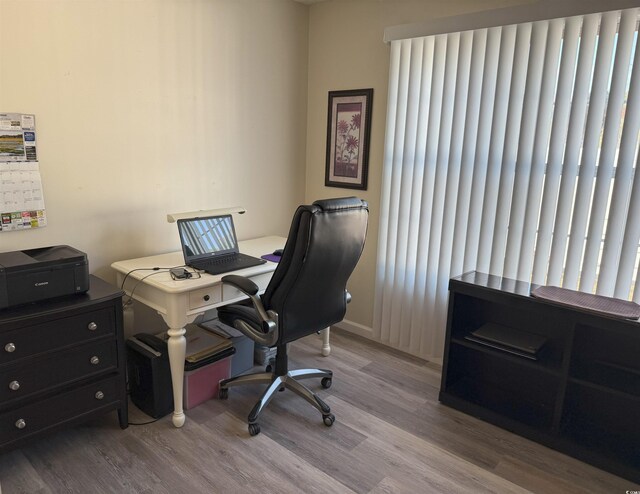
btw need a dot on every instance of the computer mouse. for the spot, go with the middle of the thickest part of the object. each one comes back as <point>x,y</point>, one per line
<point>278,252</point>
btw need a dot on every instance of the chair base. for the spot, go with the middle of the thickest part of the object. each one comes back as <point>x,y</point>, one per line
<point>276,383</point>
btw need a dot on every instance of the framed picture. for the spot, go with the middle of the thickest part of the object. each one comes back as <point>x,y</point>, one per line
<point>348,136</point>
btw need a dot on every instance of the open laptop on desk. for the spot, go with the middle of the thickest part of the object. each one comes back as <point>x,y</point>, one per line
<point>210,244</point>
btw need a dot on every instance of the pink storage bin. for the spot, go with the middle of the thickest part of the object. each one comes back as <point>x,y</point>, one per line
<point>201,384</point>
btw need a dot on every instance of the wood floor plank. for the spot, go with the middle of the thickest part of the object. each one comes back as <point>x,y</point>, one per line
<point>412,456</point>
<point>539,480</point>
<point>265,457</point>
<point>384,401</point>
<point>422,382</point>
<point>362,385</point>
<point>20,476</point>
<point>391,485</point>
<point>329,448</point>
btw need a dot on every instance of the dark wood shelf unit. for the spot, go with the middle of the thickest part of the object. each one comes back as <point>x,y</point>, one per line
<point>579,396</point>
<point>62,362</point>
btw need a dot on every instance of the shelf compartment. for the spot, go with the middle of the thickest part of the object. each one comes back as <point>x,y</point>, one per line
<point>504,386</point>
<point>610,375</point>
<point>605,421</point>
<point>607,358</point>
<point>472,313</point>
<point>540,365</point>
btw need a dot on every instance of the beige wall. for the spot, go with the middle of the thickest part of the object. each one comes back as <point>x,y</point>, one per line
<point>346,51</point>
<point>145,107</point>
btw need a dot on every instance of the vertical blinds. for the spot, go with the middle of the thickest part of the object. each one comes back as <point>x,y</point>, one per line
<point>509,150</point>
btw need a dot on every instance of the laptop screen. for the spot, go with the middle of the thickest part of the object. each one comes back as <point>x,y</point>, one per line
<point>206,237</point>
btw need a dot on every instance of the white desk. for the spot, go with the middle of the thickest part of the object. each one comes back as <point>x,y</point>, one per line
<point>179,302</point>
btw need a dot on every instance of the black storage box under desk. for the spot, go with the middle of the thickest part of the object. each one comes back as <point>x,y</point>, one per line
<point>149,377</point>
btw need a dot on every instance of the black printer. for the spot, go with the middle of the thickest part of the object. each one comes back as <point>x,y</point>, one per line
<point>38,274</point>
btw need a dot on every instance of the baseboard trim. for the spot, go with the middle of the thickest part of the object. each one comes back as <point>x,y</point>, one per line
<point>367,332</point>
<point>355,328</point>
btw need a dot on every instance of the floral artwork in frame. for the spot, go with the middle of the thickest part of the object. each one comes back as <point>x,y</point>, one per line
<point>348,136</point>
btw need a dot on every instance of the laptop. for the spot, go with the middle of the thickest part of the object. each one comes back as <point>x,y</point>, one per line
<point>510,340</point>
<point>210,244</point>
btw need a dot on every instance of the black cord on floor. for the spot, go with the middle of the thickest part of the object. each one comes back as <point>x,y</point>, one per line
<point>143,423</point>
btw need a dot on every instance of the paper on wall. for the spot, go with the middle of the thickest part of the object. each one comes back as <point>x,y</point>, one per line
<point>21,196</point>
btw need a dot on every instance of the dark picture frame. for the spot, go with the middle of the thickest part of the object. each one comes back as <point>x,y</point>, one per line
<point>348,138</point>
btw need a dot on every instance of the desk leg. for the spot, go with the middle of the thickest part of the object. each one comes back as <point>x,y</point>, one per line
<point>177,346</point>
<point>326,348</point>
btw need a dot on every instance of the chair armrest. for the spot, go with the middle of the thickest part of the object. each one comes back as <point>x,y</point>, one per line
<point>241,283</point>
<point>269,320</point>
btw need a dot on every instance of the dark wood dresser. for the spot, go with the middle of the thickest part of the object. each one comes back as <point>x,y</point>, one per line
<point>61,362</point>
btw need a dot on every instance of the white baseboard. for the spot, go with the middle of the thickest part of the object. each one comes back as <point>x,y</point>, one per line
<point>367,332</point>
<point>355,328</point>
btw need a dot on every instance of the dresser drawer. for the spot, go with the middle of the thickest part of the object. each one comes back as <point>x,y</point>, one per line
<point>55,370</point>
<point>58,333</point>
<point>39,416</point>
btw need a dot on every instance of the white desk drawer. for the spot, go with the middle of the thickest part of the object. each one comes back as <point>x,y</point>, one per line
<point>205,296</point>
<point>230,293</point>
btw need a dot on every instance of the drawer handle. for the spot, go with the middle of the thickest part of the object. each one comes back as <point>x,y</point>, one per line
<point>94,360</point>
<point>99,395</point>
<point>10,348</point>
<point>14,385</point>
<point>92,326</point>
<point>21,424</point>
<point>206,298</point>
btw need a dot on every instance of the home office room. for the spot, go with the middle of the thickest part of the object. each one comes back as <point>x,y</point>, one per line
<point>319,245</point>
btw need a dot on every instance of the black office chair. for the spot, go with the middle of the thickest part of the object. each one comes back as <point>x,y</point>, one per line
<point>306,294</point>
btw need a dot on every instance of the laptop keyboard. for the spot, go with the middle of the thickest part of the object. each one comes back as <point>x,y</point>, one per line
<point>230,259</point>
<point>227,263</point>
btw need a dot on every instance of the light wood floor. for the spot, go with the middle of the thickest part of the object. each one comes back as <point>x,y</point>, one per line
<point>391,435</point>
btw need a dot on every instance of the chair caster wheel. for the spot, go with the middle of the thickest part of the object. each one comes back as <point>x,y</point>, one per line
<point>223,393</point>
<point>329,419</point>
<point>326,382</point>
<point>254,429</point>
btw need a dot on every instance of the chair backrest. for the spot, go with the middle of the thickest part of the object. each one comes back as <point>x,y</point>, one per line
<point>307,289</point>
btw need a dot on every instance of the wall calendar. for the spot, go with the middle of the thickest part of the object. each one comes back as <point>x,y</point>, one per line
<point>21,198</point>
